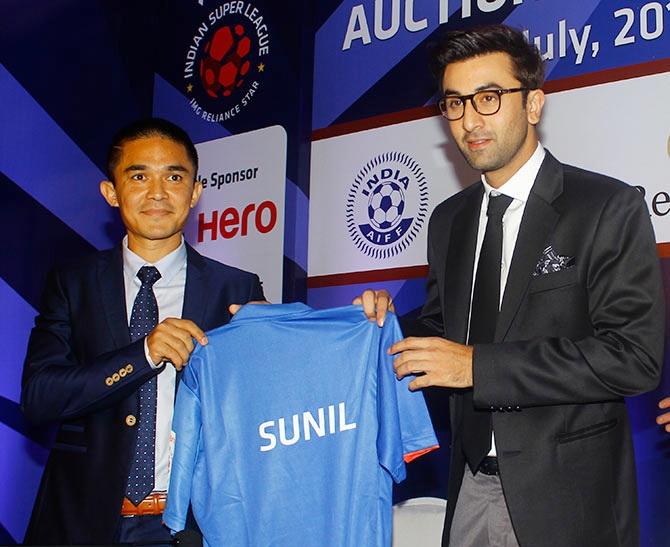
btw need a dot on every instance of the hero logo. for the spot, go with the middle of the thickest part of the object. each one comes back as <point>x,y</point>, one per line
<point>231,222</point>
<point>387,205</point>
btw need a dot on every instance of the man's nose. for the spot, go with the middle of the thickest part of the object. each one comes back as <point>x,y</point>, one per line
<point>157,188</point>
<point>471,118</point>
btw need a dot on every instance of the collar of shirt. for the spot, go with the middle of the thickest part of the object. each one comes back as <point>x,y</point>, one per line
<point>519,185</point>
<point>168,266</point>
<point>264,311</point>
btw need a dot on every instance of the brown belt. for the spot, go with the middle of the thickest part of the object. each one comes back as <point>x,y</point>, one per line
<point>153,504</point>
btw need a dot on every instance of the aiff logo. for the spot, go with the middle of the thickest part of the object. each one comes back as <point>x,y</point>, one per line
<point>387,205</point>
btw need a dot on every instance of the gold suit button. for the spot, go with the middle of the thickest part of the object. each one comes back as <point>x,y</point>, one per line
<point>129,368</point>
<point>116,377</point>
<point>122,372</point>
<point>109,380</point>
<point>131,420</point>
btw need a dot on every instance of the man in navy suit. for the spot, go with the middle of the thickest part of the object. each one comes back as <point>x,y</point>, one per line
<point>107,340</point>
<point>537,333</point>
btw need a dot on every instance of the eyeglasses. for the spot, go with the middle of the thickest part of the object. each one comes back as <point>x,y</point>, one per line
<point>486,102</point>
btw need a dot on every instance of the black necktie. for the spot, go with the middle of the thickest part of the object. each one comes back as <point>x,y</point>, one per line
<point>143,319</point>
<point>483,318</point>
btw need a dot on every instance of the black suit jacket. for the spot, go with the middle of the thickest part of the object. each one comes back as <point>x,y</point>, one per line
<point>79,341</point>
<point>569,346</point>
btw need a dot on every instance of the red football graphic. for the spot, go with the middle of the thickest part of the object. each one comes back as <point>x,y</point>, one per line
<point>223,65</point>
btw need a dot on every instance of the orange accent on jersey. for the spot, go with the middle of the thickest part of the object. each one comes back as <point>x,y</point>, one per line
<point>411,456</point>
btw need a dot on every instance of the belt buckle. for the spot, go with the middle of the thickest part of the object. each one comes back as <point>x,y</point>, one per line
<point>489,466</point>
<point>153,504</point>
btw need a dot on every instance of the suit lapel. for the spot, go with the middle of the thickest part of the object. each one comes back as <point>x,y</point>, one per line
<point>459,267</point>
<point>112,290</point>
<point>196,290</point>
<point>112,293</point>
<point>539,219</point>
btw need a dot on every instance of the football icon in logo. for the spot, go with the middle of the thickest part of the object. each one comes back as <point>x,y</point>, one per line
<point>224,64</point>
<point>386,204</point>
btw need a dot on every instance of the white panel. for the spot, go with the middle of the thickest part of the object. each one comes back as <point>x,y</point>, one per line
<point>346,171</point>
<point>240,217</point>
<point>620,129</point>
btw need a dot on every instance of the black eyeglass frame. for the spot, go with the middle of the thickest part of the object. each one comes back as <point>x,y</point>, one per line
<point>463,98</point>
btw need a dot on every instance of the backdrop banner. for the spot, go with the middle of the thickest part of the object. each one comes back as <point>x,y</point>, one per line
<point>239,219</point>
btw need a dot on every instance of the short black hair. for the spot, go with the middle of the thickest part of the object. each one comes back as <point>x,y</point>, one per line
<point>145,128</point>
<point>459,45</point>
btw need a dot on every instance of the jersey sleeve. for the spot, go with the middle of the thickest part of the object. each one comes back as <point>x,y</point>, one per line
<point>186,431</point>
<point>405,429</point>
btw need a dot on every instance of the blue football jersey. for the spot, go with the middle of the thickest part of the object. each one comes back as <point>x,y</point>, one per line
<point>290,427</point>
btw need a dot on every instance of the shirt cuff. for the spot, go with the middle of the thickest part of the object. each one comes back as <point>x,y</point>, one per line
<point>148,356</point>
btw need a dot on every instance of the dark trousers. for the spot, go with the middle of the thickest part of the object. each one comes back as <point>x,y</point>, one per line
<point>144,529</point>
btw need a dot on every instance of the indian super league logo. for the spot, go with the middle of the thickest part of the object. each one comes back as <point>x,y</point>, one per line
<point>226,60</point>
<point>387,204</point>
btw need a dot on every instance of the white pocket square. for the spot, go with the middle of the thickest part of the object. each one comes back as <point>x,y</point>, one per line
<point>551,261</point>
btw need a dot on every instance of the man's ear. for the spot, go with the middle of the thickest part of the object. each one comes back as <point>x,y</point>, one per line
<point>108,192</point>
<point>534,105</point>
<point>197,192</point>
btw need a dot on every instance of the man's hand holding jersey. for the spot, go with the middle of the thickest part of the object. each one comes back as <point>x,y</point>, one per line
<point>173,340</point>
<point>234,308</point>
<point>375,305</point>
<point>435,361</point>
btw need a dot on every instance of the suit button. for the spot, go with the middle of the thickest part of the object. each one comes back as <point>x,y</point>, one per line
<point>131,420</point>
<point>129,368</point>
<point>116,377</point>
<point>122,372</point>
<point>109,380</point>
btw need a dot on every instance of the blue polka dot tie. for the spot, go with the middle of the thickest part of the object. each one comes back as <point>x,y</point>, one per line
<point>142,321</point>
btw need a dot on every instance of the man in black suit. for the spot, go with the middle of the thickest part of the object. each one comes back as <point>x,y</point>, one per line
<point>544,310</point>
<point>113,332</point>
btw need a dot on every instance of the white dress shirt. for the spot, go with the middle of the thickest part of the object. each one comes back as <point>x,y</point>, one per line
<point>169,291</point>
<point>518,188</point>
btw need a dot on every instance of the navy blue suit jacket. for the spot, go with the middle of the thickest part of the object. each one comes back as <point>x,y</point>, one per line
<point>80,340</point>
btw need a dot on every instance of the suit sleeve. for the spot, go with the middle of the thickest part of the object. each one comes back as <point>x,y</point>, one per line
<point>256,292</point>
<point>621,356</point>
<point>56,384</point>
